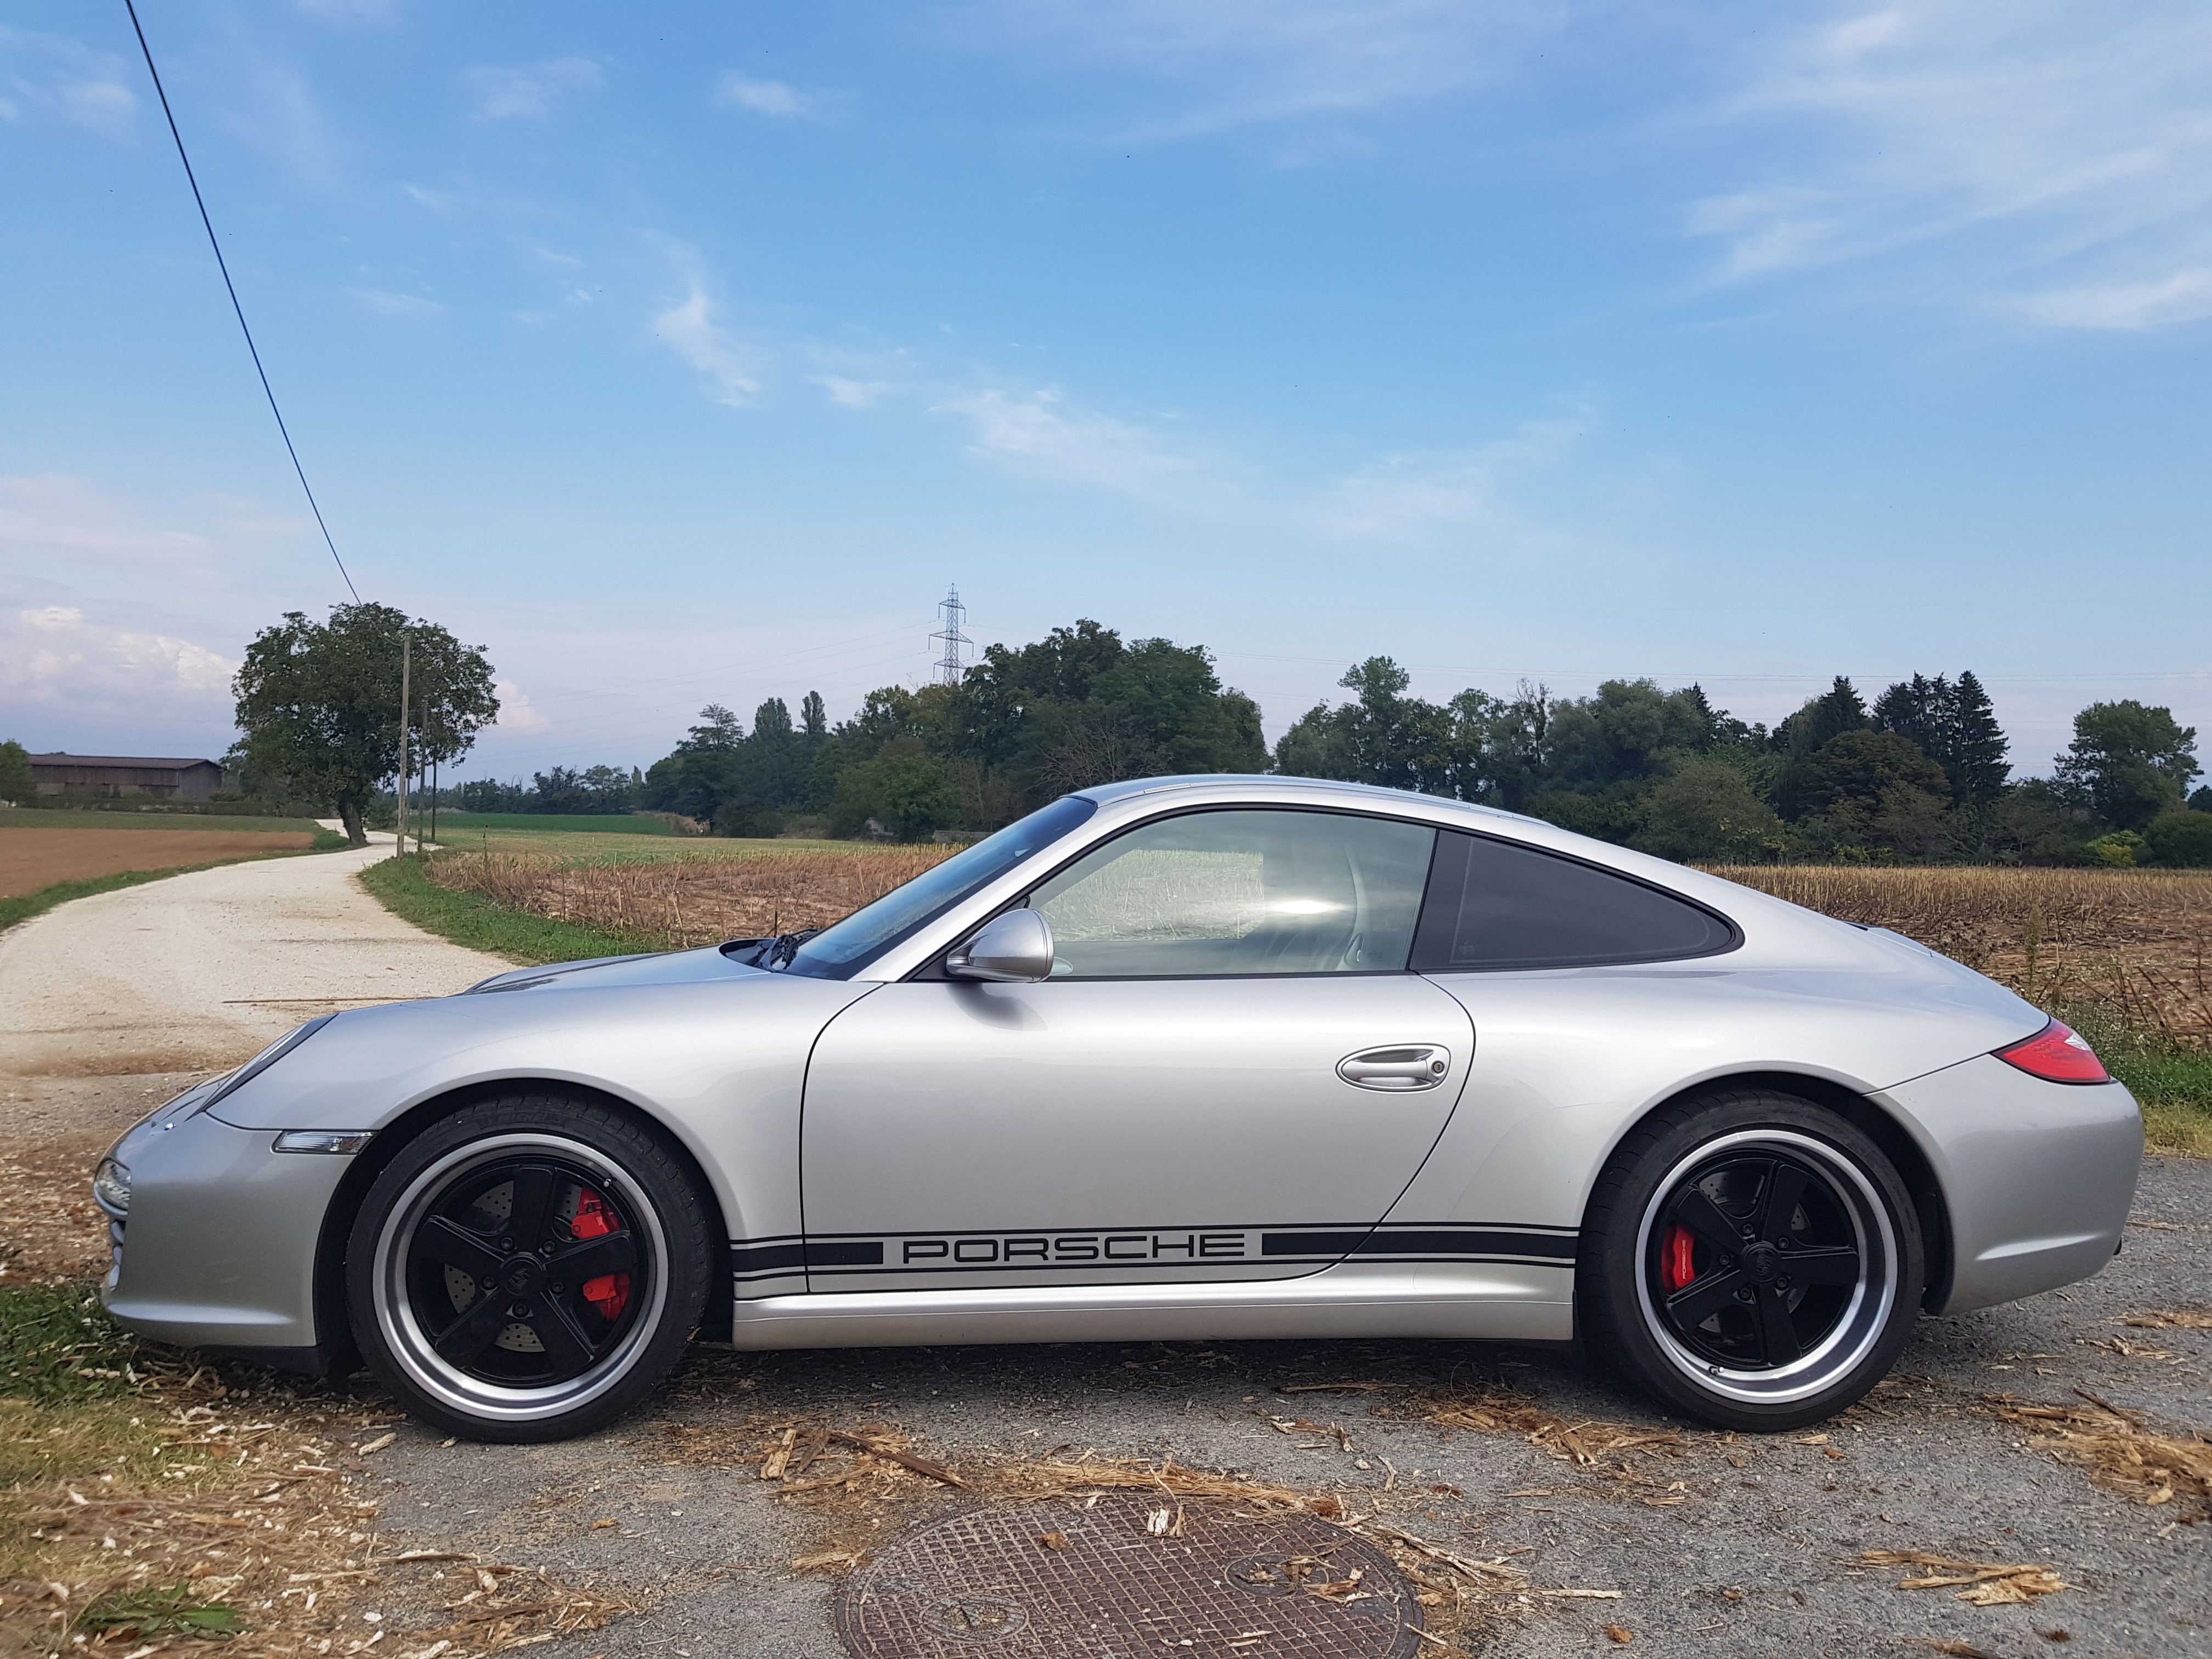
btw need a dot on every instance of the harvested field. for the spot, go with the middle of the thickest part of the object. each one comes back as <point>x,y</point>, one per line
<point>2127,947</point>
<point>31,859</point>
<point>690,901</point>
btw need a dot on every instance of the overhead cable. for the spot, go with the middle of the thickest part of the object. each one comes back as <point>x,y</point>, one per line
<point>233,288</point>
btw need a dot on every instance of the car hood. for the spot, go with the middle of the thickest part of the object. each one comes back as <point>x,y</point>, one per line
<point>654,1030</point>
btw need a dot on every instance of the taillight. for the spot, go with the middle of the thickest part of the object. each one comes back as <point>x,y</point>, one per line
<point>2057,1054</point>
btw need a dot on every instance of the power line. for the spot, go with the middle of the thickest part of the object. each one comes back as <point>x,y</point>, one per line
<point>233,288</point>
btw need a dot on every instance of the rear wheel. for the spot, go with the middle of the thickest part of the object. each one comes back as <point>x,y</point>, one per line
<point>1752,1260</point>
<point>528,1269</point>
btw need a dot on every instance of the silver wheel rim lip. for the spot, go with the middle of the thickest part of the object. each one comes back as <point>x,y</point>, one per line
<point>1856,1333</point>
<point>410,1344</point>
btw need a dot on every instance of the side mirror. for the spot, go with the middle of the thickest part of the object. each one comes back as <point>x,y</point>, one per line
<point>1014,947</point>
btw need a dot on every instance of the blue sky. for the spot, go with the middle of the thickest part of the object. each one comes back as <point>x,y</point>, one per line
<point>688,353</point>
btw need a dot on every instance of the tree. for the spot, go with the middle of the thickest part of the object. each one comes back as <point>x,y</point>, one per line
<point>1822,720</point>
<point>2182,839</point>
<point>702,771</point>
<point>318,703</point>
<point>910,795</point>
<point>2127,762</point>
<point>1855,769</point>
<point>1955,725</point>
<point>16,782</point>
<point>1705,810</point>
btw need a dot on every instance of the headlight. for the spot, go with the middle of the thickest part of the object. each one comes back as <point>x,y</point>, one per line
<point>111,1187</point>
<point>262,1062</point>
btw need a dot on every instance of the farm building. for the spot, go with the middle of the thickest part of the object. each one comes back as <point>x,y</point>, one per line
<point>163,777</point>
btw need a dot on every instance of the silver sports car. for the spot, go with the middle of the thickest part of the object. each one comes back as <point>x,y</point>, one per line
<point>1205,1057</point>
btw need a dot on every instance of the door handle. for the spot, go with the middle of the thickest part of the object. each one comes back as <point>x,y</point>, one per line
<point>1417,1065</point>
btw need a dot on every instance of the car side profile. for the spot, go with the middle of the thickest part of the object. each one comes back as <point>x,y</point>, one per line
<point>1207,1057</point>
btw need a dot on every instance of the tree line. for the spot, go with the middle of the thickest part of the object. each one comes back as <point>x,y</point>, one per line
<point>1923,772</point>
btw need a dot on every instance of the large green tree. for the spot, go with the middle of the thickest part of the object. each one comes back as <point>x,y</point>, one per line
<point>2129,761</point>
<point>16,782</point>
<point>318,703</point>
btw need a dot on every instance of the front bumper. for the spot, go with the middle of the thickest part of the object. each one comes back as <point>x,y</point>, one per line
<point>218,1250</point>
<point>2038,1176</point>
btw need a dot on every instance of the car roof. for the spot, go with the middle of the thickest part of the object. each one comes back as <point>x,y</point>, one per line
<point>1369,795</point>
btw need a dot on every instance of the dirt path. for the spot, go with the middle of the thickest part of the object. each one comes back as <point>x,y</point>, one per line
<point>198,971</point>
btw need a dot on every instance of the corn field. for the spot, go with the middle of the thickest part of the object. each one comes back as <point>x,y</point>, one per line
<point>694,901</point>
<point>2122,949</point>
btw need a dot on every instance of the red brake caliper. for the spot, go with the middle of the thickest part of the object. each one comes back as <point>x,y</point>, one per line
<point>609,1293</point>
<point>1677,1266</point>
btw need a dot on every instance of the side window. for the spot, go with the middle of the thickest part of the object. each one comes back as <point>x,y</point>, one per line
<point>1241,892</point>
<point>1497,904</point>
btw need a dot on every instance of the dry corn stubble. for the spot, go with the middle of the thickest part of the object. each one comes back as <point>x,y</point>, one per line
<point>2128,944</point>
<point>686,902</point>
<point>1987,1584</point>
<point>2118,1451</point>
<point>2170,1319</point>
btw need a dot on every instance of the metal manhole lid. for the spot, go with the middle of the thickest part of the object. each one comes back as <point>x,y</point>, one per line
<point>986,1585</point>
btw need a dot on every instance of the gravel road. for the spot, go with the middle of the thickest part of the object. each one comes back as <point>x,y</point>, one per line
<point>1717,1544</point>
<point>198,971</point>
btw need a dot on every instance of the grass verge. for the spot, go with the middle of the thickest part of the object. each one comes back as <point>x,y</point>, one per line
<point>2174,1089</point>
<point>529,941</point>
<point>23,906</point>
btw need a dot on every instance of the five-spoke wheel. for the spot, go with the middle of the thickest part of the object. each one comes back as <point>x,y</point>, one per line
<point>1752,1258</point>
<point>526,1269</point>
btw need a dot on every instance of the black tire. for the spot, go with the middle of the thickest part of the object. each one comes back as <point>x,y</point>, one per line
<point>1751,1259</point>
<point>529,1268</point>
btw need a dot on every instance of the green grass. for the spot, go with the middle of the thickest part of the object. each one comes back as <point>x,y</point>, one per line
<point>23,906</point>
<point>588,824</point>
<point>2174,1089</point>
<point>33,817</point>
<point>468,919</point>
<point>175,1610</point>
<point>58,1345</point>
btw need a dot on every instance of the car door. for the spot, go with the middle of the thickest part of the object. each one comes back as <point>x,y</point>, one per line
<point>1230,1074</point>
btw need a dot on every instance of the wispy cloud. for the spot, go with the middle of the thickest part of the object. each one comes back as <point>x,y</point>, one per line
<point>52,658</point>
<point>1404,495</point>
<point>1244,62</point>
<point>853,394</point>
<point>54,518</point>
<point>2033,138</point>
<point>386,303</point>
<point>532,90</point>
<point>1038,435</point>
<point>776,100</point>
<point>50,76</point>
<point>730,367</point>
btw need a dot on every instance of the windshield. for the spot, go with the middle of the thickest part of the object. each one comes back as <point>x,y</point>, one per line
<point>841,950</point>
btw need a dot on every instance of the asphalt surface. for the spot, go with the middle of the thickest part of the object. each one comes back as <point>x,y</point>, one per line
<point>1723,1546</point>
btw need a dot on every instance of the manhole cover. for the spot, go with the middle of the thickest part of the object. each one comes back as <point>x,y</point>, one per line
<point>987,1585</point>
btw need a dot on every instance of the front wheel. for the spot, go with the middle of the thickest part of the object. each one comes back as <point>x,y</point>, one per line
<point>1754,1260</point>
<point>528,1269</point>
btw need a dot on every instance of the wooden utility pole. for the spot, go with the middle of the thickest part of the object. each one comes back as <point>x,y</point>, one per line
<point>406,649</point>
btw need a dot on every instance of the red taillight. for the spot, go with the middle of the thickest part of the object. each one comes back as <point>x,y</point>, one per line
<point>2056,1055</point>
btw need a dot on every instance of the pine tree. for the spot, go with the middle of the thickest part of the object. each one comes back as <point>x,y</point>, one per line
<point>1976,760</point>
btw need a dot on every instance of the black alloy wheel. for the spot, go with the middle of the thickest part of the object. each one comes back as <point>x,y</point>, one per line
<point>1755,1259</point>
<point>528,1268</point>
<point>1752,1258</point>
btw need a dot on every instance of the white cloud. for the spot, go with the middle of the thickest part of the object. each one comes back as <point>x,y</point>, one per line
<point>532,90</point>
<point>2036,136</point>
<point>690,328</point>
<point>1406,494</point>
<point>1040,437</point>
<point>49,75</point>
<point>86,667</point>
<point>774,99</point>
<point>515,713</point>
<point>853,394</point>
<point>388,304</point>
<point>1239,63</point>
<point>2183,297</point>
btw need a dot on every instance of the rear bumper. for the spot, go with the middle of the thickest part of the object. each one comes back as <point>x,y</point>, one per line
<point>2038,1176</point>
<point>218,1250</point>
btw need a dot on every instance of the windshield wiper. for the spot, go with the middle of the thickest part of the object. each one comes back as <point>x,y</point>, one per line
<point>769,953</point>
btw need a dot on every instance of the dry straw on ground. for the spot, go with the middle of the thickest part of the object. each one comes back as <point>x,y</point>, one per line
<point>2130,945</point>
<point>2118,1450</point>
<point>1988,1584</point>
<point>690,901</point>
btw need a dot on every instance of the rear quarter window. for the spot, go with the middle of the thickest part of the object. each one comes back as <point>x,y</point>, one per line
<point>1497,904</point>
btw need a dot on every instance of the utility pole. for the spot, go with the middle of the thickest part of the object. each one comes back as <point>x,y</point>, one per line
<point>407,694</point>
<point>951,613</point>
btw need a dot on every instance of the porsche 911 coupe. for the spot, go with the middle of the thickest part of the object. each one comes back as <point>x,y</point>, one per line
<point>1203,1057</point>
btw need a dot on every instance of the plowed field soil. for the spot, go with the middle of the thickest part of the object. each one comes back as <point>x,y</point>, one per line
<point>32,859</point>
